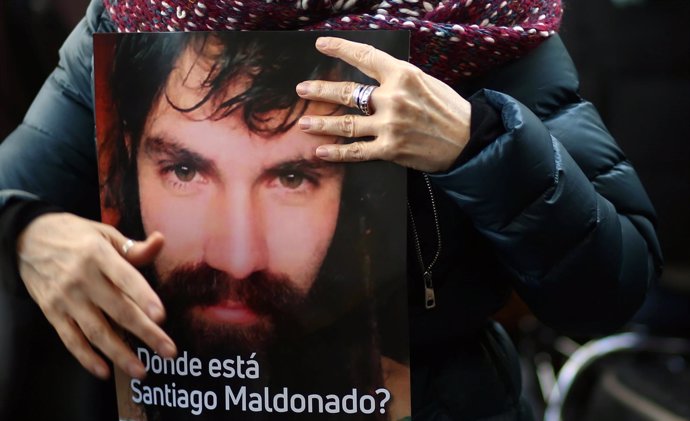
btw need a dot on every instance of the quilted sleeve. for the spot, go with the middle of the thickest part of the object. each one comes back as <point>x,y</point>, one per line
<point>565,212</point>
<point>52,156</point>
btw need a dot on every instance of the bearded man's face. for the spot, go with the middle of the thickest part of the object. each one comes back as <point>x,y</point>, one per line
<point>247,220</point>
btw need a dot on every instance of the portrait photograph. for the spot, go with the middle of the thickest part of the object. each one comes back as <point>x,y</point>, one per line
<point>282,275</point>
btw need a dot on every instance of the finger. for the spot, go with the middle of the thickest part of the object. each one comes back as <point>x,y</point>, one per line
<point>372,62</point>
<point>144,252</point>
<point>333,92</point>
<point>138,253</point>
<point>132,284</point>
<point>125,277</point>
<point>352,152</point>
<point>127,315</point>
<point>98,331</point>
<point>78,346</point>
<point>348,125</point>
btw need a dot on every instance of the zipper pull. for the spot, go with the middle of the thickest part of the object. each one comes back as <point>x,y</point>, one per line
<point>429,296</point>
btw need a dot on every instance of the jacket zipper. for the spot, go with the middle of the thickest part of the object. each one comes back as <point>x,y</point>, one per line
<point>429,293</point>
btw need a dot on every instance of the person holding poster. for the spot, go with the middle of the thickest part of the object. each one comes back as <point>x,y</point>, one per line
<point>514,184</point>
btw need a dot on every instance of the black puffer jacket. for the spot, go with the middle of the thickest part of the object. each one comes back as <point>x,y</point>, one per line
<point>551,208</point>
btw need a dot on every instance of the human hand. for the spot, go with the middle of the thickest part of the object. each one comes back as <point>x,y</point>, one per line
<point>81,276</point>
<point>418,121</point>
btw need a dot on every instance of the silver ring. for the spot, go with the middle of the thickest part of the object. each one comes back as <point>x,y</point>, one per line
<point>361,96</point>
<point>355,94</point>
<point>127,245</point>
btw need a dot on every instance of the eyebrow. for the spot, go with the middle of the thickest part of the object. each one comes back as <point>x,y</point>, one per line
<point>301,164</point>
<point>157,145</point>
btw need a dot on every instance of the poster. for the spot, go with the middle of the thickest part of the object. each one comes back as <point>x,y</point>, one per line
<point>283,276</point>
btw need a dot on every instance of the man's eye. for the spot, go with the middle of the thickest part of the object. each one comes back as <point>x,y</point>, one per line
<point>184,173</point>
<point>291,180</point>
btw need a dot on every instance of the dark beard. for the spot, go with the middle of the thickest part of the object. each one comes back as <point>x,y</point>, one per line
<point>312,343</point>
<point>272,297</point>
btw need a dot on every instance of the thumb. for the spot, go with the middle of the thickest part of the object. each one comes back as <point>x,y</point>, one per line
<point>141,253</point>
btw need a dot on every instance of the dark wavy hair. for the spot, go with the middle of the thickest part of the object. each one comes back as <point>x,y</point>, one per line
<point>268,69</point>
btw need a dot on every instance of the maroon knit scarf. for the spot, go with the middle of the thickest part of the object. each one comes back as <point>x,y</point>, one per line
<point>451,40</point>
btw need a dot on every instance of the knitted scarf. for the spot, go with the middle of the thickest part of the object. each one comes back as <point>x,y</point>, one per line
<point>451,39</point>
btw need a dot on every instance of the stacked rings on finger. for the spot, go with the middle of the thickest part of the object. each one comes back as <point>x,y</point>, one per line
<point>361,96</point>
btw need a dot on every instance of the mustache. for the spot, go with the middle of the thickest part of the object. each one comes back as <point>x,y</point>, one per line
<point>199,284</point>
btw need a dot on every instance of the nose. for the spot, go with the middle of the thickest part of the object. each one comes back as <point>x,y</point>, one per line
<point>236,242</point>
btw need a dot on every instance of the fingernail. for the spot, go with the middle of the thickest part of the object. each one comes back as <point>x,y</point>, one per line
<point>167,349</point>
<point>322,152</point>
<point>304,123</point>
<point>321,42</point>
<point>156,312</point>
<point>100,371</point>
<point>303,88</point>
<point>135,369</point>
